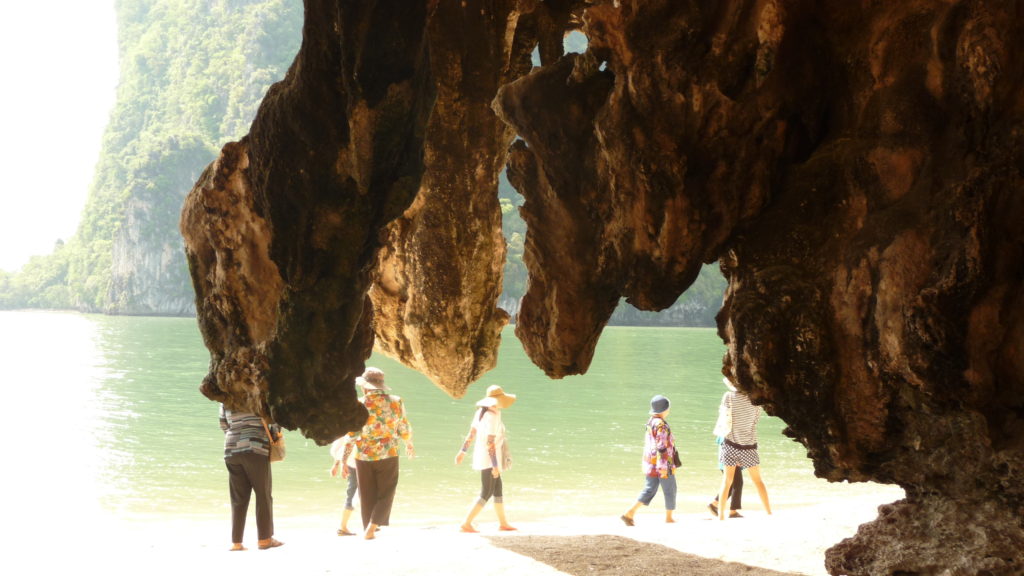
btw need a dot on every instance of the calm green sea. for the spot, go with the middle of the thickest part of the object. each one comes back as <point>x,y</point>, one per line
<point>108,419</point>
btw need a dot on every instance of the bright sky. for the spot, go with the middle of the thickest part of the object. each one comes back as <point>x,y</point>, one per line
<point>58,75</point>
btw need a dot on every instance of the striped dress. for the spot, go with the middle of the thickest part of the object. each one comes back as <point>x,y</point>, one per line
<point>740,446</point>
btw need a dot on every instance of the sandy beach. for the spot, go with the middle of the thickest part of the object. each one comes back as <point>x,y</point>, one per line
<point>790,541</point>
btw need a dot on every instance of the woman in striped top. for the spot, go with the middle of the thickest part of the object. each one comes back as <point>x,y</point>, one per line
<point>247,456</point>
<point>740,446</point>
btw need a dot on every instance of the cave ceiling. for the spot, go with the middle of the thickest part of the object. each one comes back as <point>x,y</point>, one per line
<point>855,169</point>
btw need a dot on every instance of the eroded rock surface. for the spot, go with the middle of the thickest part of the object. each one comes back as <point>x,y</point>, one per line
<point>282,232</point>
<point>855,168</point>
<point>439,280</point>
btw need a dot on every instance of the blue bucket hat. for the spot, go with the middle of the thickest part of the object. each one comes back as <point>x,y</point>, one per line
<point>659,404</point>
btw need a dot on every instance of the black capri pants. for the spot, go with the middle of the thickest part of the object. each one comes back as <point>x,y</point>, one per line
<point>490,486</point>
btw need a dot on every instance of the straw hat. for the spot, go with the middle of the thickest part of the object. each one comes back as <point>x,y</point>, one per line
<point>497,397</point>
<point>372,379</point>
<point>728,384</point>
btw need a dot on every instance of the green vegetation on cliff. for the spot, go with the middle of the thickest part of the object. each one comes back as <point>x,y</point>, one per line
<point>192,74</point>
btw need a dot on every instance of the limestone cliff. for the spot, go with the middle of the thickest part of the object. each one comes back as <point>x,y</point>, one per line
<point>853,167</point>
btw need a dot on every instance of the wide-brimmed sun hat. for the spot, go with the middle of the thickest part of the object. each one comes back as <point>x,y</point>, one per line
<point>497,397</point>
<point>729,384</point>
<point>659,404</point>
<point>372,379</point>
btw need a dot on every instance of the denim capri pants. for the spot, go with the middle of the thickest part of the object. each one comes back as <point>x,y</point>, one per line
<point>668,486</point>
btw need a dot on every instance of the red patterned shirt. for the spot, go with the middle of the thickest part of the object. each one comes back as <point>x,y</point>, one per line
<point>659,449</point>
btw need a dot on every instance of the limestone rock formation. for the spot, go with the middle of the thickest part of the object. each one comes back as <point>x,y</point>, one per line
<point>282,231</point>
<point>439,276</point>
<point>854,167</point>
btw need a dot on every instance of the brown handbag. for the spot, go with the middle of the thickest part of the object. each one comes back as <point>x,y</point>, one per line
<point>277,447</point>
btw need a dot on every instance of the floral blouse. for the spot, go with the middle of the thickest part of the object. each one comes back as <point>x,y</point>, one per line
<point>659,449</point>
<point>384,427</point>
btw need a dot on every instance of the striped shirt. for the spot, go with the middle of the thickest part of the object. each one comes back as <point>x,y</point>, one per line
<point>243,432</point>
<point>744,419</point>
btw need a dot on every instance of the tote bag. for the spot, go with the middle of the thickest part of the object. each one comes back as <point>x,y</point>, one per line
<point>723,426</point>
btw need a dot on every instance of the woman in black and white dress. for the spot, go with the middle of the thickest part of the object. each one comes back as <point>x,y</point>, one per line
<point>740,446</point>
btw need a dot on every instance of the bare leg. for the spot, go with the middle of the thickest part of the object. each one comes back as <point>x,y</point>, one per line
<point>345,515</point>
<point>723,493</point>
<point>499,508</point>
<point>762,491</point>
<point>467,524</point>
<point>629,513</point>
<point>668,517</point>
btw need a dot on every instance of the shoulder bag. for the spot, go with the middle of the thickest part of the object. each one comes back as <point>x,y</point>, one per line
<point>723,427</point>
<point>277,448</point>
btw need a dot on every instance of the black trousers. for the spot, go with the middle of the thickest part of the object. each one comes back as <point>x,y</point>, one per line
<point>378,480</point>
<point>490,486</point>
<point>249,473</point>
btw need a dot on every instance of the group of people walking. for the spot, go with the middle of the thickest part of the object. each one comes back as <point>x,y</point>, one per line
<point>737,452</point>
<point>368,459</point>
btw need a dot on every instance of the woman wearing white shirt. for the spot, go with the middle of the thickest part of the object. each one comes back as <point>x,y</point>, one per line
<point>348,472</point>
<point>489,454</point>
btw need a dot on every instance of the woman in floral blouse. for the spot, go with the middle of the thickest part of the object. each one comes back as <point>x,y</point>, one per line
<point>659,462</point>
<point>376,448</point>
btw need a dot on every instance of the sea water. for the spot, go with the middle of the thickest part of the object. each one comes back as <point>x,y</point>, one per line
<point>106,417</point>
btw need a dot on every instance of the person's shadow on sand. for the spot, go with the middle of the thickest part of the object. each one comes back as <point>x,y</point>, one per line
<point>600,555</point>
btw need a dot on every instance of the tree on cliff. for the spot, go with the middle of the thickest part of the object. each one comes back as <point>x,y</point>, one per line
<point>193,73</point>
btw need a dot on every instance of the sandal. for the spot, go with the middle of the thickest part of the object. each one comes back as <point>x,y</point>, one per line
<point>272,543</point>
<point>626,519</point>
<point>342,532</point>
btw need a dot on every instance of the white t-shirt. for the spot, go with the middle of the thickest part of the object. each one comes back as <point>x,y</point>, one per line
<point>338,450</point>
<point>490,424</point>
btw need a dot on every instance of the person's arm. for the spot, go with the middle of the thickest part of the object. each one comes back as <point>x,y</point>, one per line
<point>223,420</point>
<point>404,429</point>
<point>493,422</point>
<point>492,453</point>
<point>344,459</point>
<point>466,444</point>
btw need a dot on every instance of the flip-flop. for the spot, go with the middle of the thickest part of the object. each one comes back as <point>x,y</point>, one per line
<point>345,533</point>
<point>239,549</point>
<point>735,515</point>
<point>627,520</point>
<point>272,544</point>
<point>713,509</point>
<point>508,528</point>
